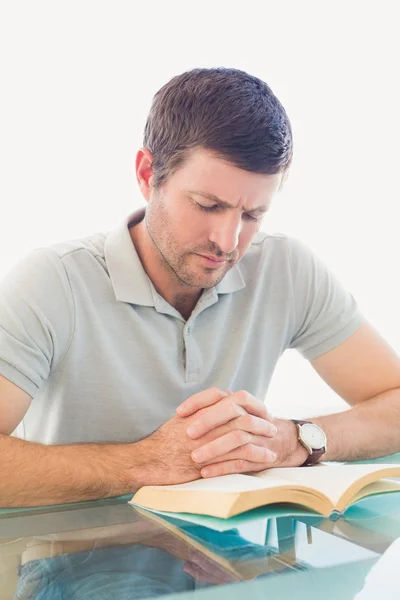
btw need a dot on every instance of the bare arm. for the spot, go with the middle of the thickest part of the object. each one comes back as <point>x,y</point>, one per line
<point>34,474</point>
<point>365,372</point>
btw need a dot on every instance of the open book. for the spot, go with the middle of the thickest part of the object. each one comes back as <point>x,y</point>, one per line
<point>323,488</point>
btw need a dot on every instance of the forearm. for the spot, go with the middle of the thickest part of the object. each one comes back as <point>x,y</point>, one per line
<point>34,474</point>
<point>367,430</point>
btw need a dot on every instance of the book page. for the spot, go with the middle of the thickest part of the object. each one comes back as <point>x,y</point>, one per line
<point>226,483</point>
<point>378,487</point>
<point>330,479</point>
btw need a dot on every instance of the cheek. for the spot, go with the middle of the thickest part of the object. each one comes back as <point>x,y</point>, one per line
<point>192,228</point>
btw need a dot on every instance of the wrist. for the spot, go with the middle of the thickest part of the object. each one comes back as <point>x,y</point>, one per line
<point>124,467</point>
<point>290,452</point>
<point>146,462</point>
<point>136,464</point>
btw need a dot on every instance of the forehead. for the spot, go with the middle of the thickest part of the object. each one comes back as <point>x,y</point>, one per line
<point>203,171</point>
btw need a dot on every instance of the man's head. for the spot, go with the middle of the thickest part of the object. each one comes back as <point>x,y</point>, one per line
<point>217,148</point>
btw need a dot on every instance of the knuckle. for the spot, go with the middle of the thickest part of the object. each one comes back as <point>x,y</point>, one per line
<point>268,428</point>
<point>241,437</point>
<point>240,464</point>
<point>215,391</point>
<point>242,395</point>
<point>272,430</point>
<point>266,455</point>
<point>201,411</point>
<point>216,470</point>
<point>234,409</point>
<point>220,469</point>
<point>238,410</point>
<point>249,422</point>
<point>237,436</point>
<point>249,452</point>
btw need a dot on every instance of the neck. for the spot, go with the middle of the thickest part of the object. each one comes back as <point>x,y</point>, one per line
<point>182,297</point>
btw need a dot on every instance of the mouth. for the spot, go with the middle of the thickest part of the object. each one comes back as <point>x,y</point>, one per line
<point>212,261</point>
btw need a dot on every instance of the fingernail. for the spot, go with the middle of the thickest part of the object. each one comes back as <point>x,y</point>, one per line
<point>180,409</point>
<point>273,456</point>
<point>274,430</point>
<point>205,472</point>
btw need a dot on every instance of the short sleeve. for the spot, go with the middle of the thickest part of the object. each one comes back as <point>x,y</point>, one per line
<point>36,319</point>
<point>325,313</point>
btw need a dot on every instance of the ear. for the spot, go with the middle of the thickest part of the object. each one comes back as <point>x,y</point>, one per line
<point>144,171</point>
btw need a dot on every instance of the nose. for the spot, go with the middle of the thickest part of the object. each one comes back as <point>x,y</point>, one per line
<point>225,231</point>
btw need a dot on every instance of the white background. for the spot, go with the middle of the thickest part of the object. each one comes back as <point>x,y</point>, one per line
<point>77,80</point>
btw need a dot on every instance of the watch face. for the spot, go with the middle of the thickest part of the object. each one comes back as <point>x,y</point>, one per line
<point>313,436</point>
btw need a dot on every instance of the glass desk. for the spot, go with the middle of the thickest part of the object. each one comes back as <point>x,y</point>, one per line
<point>109,549</point>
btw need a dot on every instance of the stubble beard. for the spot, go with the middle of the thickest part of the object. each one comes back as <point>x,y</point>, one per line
<point>160,232</point>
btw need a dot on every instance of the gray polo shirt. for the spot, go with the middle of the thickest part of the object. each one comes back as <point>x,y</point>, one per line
<point>106,358</point>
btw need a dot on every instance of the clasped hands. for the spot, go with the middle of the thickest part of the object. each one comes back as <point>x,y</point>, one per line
<point>216,433</point>
<point>233,431</point>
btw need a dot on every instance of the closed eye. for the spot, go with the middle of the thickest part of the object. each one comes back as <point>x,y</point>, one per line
<point>250,217</point>
<point>212,208</point>
<point>216,207</point>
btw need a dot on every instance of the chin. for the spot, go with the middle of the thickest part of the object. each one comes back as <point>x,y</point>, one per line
<point>210,280</point>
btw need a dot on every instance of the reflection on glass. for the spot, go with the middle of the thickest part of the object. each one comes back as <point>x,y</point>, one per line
<point>139,554</point>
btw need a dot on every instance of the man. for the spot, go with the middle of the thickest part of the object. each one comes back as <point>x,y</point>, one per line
<point>142,356</point>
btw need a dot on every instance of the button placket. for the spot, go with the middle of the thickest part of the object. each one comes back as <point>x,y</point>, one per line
<point>191,373</point>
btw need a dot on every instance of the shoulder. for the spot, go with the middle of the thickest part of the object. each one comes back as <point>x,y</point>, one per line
<point>267,248</point>
<point>91,246</point>
<point>48,267</point>
<point>277,261</point>
<point>76,255</point>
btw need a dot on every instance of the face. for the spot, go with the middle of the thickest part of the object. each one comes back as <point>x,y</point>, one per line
<point>204,217</point>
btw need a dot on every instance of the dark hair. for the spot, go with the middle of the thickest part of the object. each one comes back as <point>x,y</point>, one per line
<point>228,111</point>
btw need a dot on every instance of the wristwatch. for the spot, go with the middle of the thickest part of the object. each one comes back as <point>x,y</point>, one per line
<point>313,438</point>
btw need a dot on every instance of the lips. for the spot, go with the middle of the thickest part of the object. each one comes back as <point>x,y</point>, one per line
<point>212,262</point>
<point>213,258</point>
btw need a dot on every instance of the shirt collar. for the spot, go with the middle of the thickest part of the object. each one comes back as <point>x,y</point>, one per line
<point>128,277</point>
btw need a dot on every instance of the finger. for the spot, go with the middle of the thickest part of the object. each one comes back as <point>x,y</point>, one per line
<point>224,411</point>
<point>201,400</point>
<point>227,412</point>
<point>227,443</point>
<point>254,425</point>
<point>221,446</point>
<point>249,423</point>
<point>251,452</point>
<point>214,416</point>
<point>233,466</point>
<point>251,404</point>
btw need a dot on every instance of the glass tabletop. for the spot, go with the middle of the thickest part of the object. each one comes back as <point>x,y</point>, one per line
<point>111,549</point>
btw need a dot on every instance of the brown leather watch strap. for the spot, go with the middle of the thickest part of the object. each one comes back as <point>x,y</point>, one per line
<point>315,454</point>
<point>313,457</point>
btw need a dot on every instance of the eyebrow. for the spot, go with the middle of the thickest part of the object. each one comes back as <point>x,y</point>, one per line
<point>260,209</point>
